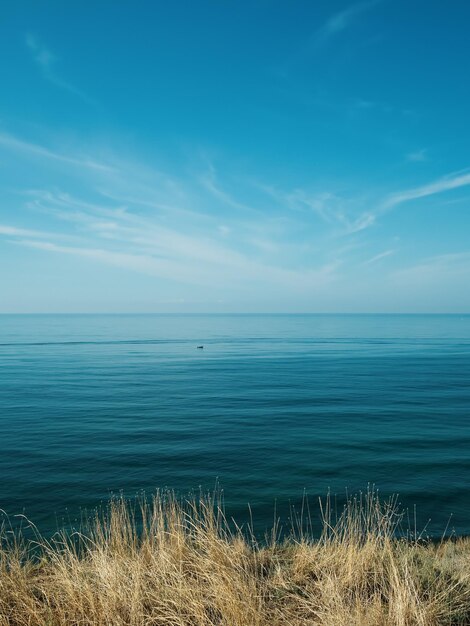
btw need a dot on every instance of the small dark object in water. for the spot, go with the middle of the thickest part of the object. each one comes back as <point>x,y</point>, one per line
<point>200,347</point>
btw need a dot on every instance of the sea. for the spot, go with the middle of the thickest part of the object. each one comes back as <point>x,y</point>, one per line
<point>274,410</point>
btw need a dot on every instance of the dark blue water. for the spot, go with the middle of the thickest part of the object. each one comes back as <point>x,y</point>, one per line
<point>271,406</point>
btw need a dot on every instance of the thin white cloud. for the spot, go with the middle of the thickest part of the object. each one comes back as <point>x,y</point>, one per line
<point>46,61</point>
<point>347,214</point>
<point>435,270</point>
<point>361,223</point>
<point>378,257</point>
<point>32,149</point>
<point>141,263</point>
<point>443,184</point>
<point>213,275</point>
<point>42,56</point>
<point>197,244</point>
<point>331,28</point>
<point>341,21</point>
<point>146,239</point>
<point>12,231</point>
<point>210,183</point>
<point>331,208</point>
<point>141,226</point>
<point>418,156</point>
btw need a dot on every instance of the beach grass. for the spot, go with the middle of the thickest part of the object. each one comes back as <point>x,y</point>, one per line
<point>163,561</point>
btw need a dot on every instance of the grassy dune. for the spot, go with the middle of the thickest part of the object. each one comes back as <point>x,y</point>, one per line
<point>172,563</point>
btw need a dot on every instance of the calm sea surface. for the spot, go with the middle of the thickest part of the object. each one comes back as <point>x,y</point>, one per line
<point>272,406</point>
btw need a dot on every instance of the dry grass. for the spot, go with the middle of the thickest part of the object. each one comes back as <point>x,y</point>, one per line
<point>177,564</point>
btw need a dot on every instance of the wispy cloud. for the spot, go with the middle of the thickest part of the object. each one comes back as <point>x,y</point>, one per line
<point>159,225</point>
<point>141,263</point>
<point>319,38</point>
<point>46,62</point>
<point>160,231</point>
<point>13,231</point>
<point>31,149</point>
<point>417,155</point>
<point>348,215</point>
<point>453,181</point>
<point>435,270</point>
<point>209,181</point>
<point>378,257</point>
<point>331,208</point>
<point>42,56</point>
<point>341,21</point>
<point>213,271</point>
<point>200,231</point>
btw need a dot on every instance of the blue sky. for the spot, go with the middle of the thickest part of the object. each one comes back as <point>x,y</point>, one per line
<point>234,156</point>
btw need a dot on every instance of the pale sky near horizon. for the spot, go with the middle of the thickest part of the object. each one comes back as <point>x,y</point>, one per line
<point>234,156</point>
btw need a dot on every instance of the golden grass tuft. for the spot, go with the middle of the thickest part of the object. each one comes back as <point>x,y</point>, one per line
<point>165,562</point>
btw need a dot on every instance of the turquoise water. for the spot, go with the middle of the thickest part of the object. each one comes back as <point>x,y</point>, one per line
<point>272,406</point>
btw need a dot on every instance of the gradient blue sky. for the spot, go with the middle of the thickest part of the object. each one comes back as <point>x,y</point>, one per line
<point>234,156</point>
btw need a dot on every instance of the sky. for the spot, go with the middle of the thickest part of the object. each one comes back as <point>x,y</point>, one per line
<point>234,156</point>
